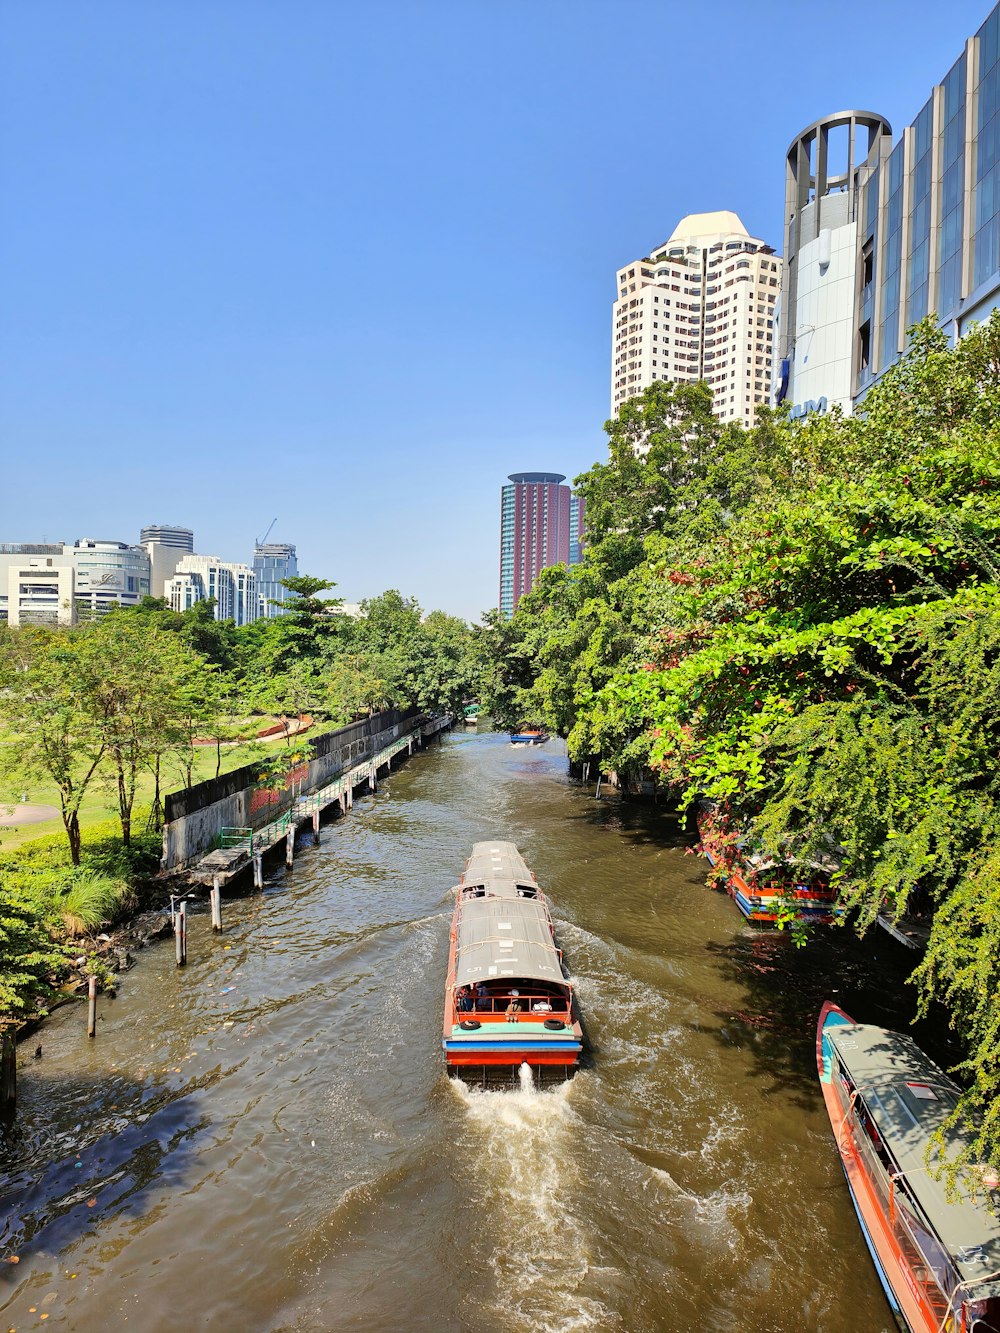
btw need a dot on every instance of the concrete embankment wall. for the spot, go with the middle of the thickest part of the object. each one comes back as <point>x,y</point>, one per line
<point>195,817</point>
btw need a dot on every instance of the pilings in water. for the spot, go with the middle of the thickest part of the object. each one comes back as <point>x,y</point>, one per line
<point>316,826</point>
<point>8,1076</point>
<point>215,898</point>
<point>91,1007</point>
<point>258,871</point>
<point>180,933</point>
<point>290,847</point>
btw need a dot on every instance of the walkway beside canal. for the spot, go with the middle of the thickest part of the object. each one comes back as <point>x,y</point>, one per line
<point>244,846</point>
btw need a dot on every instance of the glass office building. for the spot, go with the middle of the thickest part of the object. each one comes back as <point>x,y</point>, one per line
<point>880,232</point>
<point>272,562</point>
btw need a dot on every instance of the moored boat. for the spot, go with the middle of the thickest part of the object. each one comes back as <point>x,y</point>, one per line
<point>507,998</point>
<point>529,736</point>
<point>765,893</point>
<point>937,1256</point>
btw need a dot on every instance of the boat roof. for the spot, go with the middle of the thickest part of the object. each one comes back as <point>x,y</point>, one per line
<point>499,868</point>
<point>910,1098</point>
<point>503,933</point>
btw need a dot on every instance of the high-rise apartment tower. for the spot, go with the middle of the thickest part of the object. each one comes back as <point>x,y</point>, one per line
<point>700,307</point>
<point>541,524</point>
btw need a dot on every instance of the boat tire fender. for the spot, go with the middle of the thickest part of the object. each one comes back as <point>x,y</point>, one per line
<point>469,1024</point>
<point>554,1024</point>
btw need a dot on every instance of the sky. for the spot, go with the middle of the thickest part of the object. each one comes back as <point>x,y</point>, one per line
<point>347,265</point>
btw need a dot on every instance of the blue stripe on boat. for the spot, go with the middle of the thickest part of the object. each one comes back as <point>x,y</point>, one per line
<point>890,1295</point>
<point>512,1045</point>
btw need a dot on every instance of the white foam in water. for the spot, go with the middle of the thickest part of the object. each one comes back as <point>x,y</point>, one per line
<point>522,1178</point>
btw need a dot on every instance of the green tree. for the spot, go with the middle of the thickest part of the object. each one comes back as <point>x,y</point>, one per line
<point>51,732</point>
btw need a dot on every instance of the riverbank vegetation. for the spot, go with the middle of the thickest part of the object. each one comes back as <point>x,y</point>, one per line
<point>105,718</point>
<point>801,621</point>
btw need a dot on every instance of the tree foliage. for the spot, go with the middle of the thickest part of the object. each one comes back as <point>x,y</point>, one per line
<point>802,621</point>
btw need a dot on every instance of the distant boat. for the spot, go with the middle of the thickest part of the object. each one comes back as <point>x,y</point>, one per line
<point>529,736</point>
<point>507,999</point>
<point>763,891</point>
<point>938,1258</point>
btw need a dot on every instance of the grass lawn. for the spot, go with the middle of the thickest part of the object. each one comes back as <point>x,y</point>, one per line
<point>100,803</point>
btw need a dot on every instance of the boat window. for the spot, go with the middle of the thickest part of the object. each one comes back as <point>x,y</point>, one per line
<point>925,1256</point>
<point>527,891</point>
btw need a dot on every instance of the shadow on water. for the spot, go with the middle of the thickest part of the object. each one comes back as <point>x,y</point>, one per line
<point>85,1150</point>
<point>786,987</point>
<point>638,822</point>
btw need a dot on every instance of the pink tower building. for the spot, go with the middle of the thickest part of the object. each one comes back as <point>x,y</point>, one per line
<point>541,524</point>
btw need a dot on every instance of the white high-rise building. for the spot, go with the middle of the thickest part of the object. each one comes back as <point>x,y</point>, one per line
<point>231,586</point>
<point>700,307</point>
<point>165,545</point>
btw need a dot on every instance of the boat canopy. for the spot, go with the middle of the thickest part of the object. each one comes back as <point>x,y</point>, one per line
<point>909,1099</point>
<point>498,868</point>
<point>504,928</point>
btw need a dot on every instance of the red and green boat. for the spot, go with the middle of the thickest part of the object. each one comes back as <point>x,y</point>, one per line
<point>766,892</point>
<point>507,999</point>
<point>936,1251</point>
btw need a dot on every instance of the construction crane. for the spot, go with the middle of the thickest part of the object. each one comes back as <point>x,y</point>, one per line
<point>261,540</point>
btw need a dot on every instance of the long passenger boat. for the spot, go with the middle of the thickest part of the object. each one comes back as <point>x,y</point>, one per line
<point>938,1258</point>
<point>529,736</point>
<point>763,893</point>
<point>507,999</point>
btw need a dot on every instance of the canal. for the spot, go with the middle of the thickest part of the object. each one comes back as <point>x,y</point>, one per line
<point>267,1141</point>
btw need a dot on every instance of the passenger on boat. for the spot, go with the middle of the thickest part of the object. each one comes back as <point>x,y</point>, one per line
<point>514,1008</point>
<point>541,1006</point>
<point>482,997</point>
<point>465,1002</point>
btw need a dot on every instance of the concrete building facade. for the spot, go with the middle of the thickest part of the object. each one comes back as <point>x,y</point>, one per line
<point>911,226</point>
<point>36,584</point>
<point>699,307</point>
<point>541,524</point>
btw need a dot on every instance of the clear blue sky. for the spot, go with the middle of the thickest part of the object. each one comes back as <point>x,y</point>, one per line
<point>352,263</point>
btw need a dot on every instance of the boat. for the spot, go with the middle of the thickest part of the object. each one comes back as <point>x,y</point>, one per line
<point>765,892</point>
<point>937,1256</point>
<point>529,736</point>
<point>507,1000</point>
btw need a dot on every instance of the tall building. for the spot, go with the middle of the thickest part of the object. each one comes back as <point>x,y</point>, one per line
<point>164,534</point>
<point>700,307</point>
<point>164,544</point>
<point>272,562</point>
<point>106,573</point>
<point>202,577</point>
<point>917,231</point>
<point>823,199</point>
<point>541,524</point>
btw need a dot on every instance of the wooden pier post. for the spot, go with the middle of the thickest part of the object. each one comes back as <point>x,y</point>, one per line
<point>215,897</point>
<point>258,872</point>
<point>91,1007</point>
<point>373,777</point>
<point>290,847</point>
<point>316,827</point>
<point>180,934</point>
<point>8,1076</point>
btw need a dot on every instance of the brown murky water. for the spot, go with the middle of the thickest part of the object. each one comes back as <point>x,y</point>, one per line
<point>267,1140</point>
